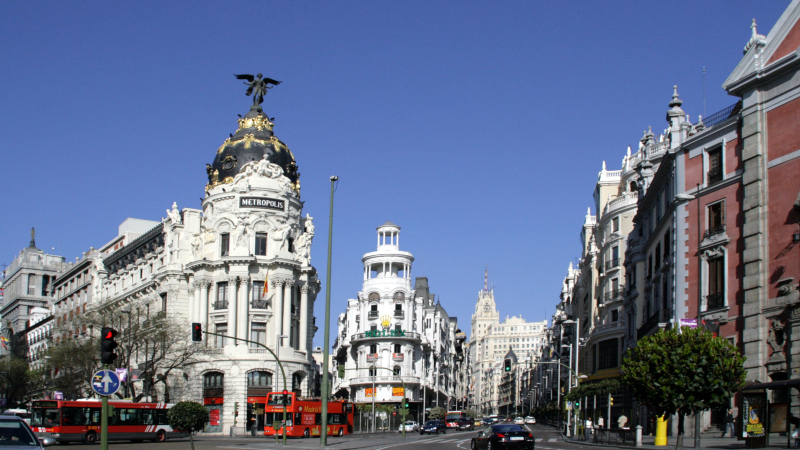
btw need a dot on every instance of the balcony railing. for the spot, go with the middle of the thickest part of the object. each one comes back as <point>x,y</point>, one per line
<point>380,335</point>
<point>714,175</point>
<point>258,304</point>
<point>372,315</point>
<point>714,301</point>
<point>613,295</point>
<point>399,313</point>
<point>372,357</point>
<point>723,115</point>
<point>223,304</point>
<point>398,356</point>
<point>612,263</point>
<point>713,231</point>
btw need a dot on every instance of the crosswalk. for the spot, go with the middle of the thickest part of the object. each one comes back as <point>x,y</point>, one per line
<point>442,440</point>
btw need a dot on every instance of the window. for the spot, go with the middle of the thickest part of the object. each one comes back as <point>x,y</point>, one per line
<point>398,348</point>
<point>222,296</point>
<point>609,354</point>
<point>224,243</point>
<point>615,224</point>
<point>213,380</point>
<point>290,245</point>
<point>261,244</point>
<point>258,300</point>
<point>373,307</point>
<point>373,371</point>
<point>31,284</point>
<point>716,284</point>
<point>258,333</point>
<point>398,306</point>
<point>259,379</point>
<point>667,245</point>
<point>398,370</point>
<point>716,219</point>
<point>373,348</point>
<point>614,315</point>
<point>714,166</point>
<point>164,302</point>
<point>658,255</point>
<point>220,328</point>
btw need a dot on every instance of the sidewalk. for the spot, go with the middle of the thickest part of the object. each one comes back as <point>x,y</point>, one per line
<point>707,440</point>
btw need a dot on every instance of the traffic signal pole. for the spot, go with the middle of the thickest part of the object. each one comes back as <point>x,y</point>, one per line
<point>104,420</point>
<point>326,349</point>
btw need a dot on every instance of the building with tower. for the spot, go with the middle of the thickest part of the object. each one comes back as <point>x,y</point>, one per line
<point>490,342</point>
<point>393,334</point>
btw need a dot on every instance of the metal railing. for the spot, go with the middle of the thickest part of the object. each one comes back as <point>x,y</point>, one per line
<point>714,301</point>
<point>614,436</point>
<point>719,229</point>
<point>723,115</point>
<point>399,313</point>
<point>258,304</point>
<point>612,263</point>
<point>613,295</point>
<point>714,175</point>
<point>223,304</point>
<point>372,315</point>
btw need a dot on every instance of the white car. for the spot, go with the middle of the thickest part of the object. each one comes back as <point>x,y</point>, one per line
<point>519,421</point>
<point>409,426</point>
<point>530,420</point>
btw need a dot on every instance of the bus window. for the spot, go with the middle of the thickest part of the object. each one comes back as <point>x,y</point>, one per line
<point>161,417</point>
<point>128,416</point>
<point>278,399</point>
<point>45,417</point>
<point>146,416</point>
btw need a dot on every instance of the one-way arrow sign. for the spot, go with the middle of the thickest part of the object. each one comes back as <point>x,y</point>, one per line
<point>105,382</point>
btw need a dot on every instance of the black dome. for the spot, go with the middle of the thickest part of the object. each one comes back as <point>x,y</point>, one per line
<point>251,142</point>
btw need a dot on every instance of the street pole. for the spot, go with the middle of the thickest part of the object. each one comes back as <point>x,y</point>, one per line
<point>104,420</point>
<point>699,303</point>
<point>373,398</point>
<point>323,435</point>
<point>575,348</point>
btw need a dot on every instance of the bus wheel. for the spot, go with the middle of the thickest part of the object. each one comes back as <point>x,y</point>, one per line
<point>306,433</point>
<point>341,432</point>
<point>161,436</point>
<point>90,438</point>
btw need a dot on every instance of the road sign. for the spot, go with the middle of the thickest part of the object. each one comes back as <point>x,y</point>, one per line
<point>105,382</point>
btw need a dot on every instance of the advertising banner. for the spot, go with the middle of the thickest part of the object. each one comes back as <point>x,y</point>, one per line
<point>777,417</point>
<point>397,392</point>
<point>122,374</point>
<point>753,415</point>
<point>368,393</point>
<point>214,417</point>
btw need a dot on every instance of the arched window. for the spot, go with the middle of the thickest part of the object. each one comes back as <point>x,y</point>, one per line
<point>259,379</point>
<point>633,186</point>
<point>213,380</point>
<point>399,296</point>
<point>374,297</point>
<point>398,370</point>
<point>297,382</point>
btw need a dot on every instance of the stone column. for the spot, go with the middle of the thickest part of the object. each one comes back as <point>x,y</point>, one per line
<point>202,315</point>
<point>194,294</point>
<point>212,298</point>
<point>243,311</point>
<point>287,309</point>
<point>232,303</point>
<point>303,344</point>
<point>277,311</point>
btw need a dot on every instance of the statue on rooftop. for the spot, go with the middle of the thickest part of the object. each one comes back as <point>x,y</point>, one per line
<point>257,86</point>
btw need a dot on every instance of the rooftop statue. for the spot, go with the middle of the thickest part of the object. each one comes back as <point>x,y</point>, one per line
<point>257,86</point>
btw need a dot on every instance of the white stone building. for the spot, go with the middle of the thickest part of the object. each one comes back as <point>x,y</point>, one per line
<point>391,325</point>
<point>490,341</point>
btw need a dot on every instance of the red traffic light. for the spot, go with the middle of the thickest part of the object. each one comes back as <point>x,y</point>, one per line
<point>285,392</point>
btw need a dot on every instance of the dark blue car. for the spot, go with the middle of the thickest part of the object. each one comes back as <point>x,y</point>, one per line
<point>433,427</point>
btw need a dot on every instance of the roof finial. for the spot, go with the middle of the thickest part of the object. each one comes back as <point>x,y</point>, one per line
<point>629,150</point>
<point>486,279</point>
<point>755,38</point>
<point>604,166</point>
<point>675,100</point>
<point>33,238</point>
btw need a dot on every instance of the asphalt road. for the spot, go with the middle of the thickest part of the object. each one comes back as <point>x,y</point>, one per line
<point>546,439</point>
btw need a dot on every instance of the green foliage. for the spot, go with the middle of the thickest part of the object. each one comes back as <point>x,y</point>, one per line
<point>188,417</point>
<point>683,372</point>
<point>471,413</point>
<point>601,388</point>
<point>437,413</point>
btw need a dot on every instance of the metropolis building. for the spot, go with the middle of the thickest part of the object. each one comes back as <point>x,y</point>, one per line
<point>239,265</point>
<point>393,334</point>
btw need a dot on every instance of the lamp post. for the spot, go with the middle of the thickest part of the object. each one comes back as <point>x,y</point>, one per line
<point>128,353</point>
<point>573,354</point>
<point>326,349</point>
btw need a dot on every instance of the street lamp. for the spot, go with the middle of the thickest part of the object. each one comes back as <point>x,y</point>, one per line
<point>46,371</point>
<point>128,331</point>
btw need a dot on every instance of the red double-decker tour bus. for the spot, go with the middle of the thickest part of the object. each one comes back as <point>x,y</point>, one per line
<point>303,416</point>
<point>79,421</point>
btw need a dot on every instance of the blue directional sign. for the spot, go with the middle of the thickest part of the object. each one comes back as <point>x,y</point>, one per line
<point>105,382</point>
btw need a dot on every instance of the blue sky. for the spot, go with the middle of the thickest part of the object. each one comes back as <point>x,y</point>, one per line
<point>478,127</point>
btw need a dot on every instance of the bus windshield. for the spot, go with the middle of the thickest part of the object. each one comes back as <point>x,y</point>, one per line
<point>45,417</point>
<point>453,416</point>
<point>278,400</point>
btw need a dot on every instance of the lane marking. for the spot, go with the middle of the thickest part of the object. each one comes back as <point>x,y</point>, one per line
<point>552,439</point>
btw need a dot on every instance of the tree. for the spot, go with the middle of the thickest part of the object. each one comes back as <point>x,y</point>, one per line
<point>188,417</point>
<point>437,413</point>
<point>683,372</point>
<point>17,380</point>
<point>471,413</point>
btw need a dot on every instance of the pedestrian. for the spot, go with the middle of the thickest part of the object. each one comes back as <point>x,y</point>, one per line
<point>729,423</point>
<point>600,422</point>
<point>622,421</point>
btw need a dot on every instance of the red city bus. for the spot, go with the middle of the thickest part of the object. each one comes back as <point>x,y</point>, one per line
<point>79,421</point>
<point>303,416</point>
<point>451,419</point>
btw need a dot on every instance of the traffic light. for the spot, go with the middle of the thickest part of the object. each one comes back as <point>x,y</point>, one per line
<point>235,409</point>
<point>508,365</point>
<point>577,404</point>
<point>197,332</point>
<point>285,397</point>
<point>611,401</point>
<point>405,403</point>
<point>107,345</point>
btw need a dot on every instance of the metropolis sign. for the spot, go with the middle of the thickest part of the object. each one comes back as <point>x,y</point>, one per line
<point>260,202</point>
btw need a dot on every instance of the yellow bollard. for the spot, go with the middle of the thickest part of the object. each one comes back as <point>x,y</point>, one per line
<point>661,431</point>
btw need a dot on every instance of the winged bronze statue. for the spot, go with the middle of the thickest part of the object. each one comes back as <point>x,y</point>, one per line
<point>257,86</point>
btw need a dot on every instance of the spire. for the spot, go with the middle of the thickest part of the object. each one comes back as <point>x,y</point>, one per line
<point>486,279</point>
<point>33,238</point>
<point>675,100</point>
<point>604,166</point>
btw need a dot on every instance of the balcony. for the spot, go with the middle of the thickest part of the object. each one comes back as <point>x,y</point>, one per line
<point>406,335</point>
<point>372,315</point>
<point>385,379</point>
<point>715,301</point>
<point>713,231</point>
<point>609,327</point>
<point>258,304</point>
<point>609,297</point>
<point>714,175</point>
<point>398,356</point>
<point>222,304</point>
<point>372,357</point>
<point>257,350</point>
<point>612,264</point>
<point>651,323</point>
<point>399,313</point>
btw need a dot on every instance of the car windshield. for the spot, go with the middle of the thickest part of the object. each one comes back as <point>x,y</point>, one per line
<point>431,423</point>
<point>410,423</point>
<point>506,428</point>
<point>14,432</point>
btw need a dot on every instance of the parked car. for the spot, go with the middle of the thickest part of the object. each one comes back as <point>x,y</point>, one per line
<point>503,436</point>
<point>519,421</point>
<point>465,423</point>
<point>433,427</point>
<point>530,420</point>
<point>15,434</point>
<point>409,426</point>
